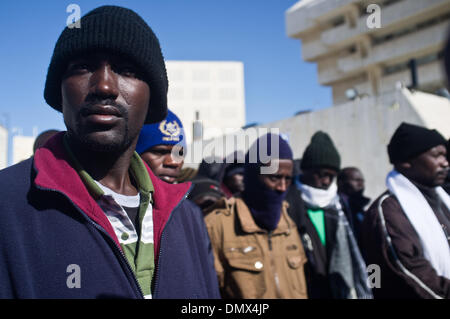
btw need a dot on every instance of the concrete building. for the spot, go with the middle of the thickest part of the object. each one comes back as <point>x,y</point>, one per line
<point>22,147</point>
<point>368,44</point>
<point>209,92</point>
<point>3,147</point>
<point>360,129</point>
<point>351,52</point>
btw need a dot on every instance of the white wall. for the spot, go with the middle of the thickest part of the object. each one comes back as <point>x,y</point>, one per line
<point>214,89</point>
<point>361,129</point>
<point>22,148</point>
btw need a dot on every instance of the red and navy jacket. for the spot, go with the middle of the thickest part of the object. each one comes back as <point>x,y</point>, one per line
<point>56,242</point>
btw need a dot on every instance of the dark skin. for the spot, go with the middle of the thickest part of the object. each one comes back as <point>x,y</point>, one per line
<point>162,163</point>
<point>105,103</point>
<point>350,181</point>
<point>429,168</point>
<point>320,178</point>
<point>281,180</point>
<point>235,183</point>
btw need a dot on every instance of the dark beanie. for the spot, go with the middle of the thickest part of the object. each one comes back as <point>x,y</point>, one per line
<point>411,140</point>
<point>321,153</point>
<point>118,30</point>
<point>204,187</point>
<point>268,147</point>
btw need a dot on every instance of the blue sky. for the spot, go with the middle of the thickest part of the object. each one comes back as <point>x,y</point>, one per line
<point>277,82</point>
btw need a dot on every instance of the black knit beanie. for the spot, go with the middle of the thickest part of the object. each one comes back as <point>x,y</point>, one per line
<point>204,187</point>
<point>321,153</point>
<point>411,140</point>
<point>120,31</point>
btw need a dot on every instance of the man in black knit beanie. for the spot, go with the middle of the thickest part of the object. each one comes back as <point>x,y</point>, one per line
<point>86,217</point>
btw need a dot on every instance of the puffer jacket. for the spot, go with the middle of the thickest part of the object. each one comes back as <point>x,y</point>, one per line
<point>251,262</point>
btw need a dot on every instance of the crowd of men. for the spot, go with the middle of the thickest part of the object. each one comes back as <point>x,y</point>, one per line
<point>106,209</point>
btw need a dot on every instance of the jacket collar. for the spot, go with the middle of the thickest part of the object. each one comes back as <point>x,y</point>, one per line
<point>55,172</point>
<point>248,223</point>
<point>137,170</point>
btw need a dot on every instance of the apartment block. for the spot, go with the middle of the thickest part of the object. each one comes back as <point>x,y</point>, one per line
<point>372,45</point>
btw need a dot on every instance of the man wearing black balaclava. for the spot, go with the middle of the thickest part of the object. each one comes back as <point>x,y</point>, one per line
<point>253,236</point>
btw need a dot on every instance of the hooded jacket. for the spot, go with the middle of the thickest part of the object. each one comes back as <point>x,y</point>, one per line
<point>56,242</point>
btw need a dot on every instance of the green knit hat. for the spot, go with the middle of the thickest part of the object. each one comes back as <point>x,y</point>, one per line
<point>321,153</point>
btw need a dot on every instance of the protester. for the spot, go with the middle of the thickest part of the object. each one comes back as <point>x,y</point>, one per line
<point>350,182</point>
<point>86,218</point>
<point>406,230</point>
<point>233,175</point>
<point>335,267</point>
<point>205,193</point>
<point>297,169</point>
<point>257,248</point>
<point>211,167</point>
<point>186,174</point>
<point>446,185</point>
<point>42,138</point>
<point>162,146</point>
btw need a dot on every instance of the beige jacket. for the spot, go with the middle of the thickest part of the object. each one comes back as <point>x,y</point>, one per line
<point>250,262</point>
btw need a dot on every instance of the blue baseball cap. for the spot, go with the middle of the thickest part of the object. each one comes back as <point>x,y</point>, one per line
<point>167,132</point>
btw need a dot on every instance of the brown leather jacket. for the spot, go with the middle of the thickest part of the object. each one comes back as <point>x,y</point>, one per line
<point>251,262</point>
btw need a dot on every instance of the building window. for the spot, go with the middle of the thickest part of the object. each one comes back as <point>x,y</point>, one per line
<point>227,93</point>
<point>200,75</point>
<point>201,93</point>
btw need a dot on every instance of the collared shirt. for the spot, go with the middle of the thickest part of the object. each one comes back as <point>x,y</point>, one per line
<point>137,246</point>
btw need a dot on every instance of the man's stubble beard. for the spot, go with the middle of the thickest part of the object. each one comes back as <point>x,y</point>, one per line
<point>116,146</point>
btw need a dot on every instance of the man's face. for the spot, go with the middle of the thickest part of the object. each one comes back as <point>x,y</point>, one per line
<point>320,178</point>
<point>104,102</point>
<point>162,163</point>
<point>429,168</point>
<point>281,180</point>
<point>352,182</point>
<point>235,182</point>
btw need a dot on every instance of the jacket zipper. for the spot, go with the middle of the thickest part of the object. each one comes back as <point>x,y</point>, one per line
<point>123,257</point>
<point>116,247</point>
<point>161,240</point>
<point>272,262</point>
